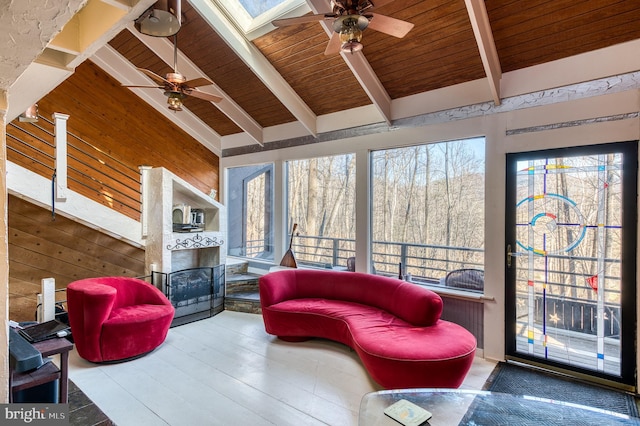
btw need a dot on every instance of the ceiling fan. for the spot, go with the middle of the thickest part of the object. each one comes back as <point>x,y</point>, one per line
<point>176,86</point>
<point>349,18</point>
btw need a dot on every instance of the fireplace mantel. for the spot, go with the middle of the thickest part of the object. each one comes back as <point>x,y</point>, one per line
<point>168,251</point>
<point>198,240</point>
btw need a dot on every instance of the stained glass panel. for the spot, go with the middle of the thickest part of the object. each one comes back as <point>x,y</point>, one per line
<point>568,260</point>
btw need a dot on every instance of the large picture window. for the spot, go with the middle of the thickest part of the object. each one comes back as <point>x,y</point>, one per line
<point>321,201</point>
<point>428,213</point>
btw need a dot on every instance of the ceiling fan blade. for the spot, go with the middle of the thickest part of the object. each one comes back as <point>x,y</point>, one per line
<point>202,95</point>
<point>153,76</point>
<point>334,46</point>
<point>143,87</point>
<point>388,25</point>
<point>380,3</point>
<point>198,82</point>
<point>302,19</point>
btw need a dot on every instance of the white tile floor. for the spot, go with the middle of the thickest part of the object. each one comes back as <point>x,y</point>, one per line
<point>226,370</point>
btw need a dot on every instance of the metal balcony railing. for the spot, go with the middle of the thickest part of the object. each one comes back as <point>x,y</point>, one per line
<point>90,171</point>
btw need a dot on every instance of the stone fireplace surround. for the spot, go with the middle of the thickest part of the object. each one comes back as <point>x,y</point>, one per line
<point>187,266</point>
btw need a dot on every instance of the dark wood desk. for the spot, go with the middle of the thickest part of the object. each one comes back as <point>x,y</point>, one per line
<point>48,372</point>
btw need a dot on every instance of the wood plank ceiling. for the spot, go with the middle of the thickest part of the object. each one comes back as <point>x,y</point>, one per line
<point>440,51</point>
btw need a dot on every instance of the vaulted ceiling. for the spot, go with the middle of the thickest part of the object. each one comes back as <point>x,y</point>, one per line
<point>280,84</point>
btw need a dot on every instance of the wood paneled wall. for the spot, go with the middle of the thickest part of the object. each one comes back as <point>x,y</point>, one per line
<point>40,247</point>
<point>117,122</point>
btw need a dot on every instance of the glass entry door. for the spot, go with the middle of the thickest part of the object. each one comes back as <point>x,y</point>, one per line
<point>571,254</point>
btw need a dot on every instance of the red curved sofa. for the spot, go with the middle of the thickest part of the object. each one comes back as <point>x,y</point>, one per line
<point>117,318</point>
<point>394,326</point>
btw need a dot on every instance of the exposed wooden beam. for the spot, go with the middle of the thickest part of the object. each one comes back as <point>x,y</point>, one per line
<point>486,45</point>
<point>360,68</point>
<point>255,60</point>
<point>370,83</point>
<point>122,70</point>
<point>163,48</point>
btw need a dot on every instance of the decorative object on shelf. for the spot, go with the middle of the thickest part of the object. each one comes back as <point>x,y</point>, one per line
<point>181,214</point>
<point>197,241</point>
<point>197,218</point>
<point>289,259</point>
<point>187,219</point>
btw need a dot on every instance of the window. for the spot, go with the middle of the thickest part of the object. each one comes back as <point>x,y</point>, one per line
<point>249,210</point>
<point>249,15</point>
<point>321,200</point>
<point>428,211</point>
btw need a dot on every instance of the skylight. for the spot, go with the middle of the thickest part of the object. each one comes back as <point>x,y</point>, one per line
<point>257,8</point>
<point>250,15</point>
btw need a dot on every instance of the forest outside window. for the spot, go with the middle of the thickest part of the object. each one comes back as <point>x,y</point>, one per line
<point>250,212</point>
<point>427,210</point>
<point>321,201</point>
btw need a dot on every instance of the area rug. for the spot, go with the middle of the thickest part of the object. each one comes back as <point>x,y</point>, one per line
<point>518,380</point>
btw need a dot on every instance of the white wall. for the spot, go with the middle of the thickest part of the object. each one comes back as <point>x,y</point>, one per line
<point>589,113</point>
<point>36,189</point>
<point>4,259</point>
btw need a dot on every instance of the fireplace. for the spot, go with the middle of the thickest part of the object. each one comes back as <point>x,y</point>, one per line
<point>195,293</point>
<point>183,248</point>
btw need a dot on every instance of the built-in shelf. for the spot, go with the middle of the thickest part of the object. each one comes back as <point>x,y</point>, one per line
<point>168,251</point>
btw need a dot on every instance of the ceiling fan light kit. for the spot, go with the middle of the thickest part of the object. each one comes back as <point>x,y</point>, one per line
<point>350,29</point>
<point>349,19</point>
<point>176,87</point>
<point>163,19</point>
<point>174,99</point>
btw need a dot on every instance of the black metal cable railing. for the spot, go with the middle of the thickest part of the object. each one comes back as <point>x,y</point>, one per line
<point>91,171</point>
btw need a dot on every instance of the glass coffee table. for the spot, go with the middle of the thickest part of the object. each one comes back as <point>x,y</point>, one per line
<point>452,407</point>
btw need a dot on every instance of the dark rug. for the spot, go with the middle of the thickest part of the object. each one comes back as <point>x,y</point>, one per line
<point>514,379</point>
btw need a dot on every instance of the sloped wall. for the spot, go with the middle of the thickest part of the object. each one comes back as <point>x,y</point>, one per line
<point>117,122</point>
<point>40,247</point>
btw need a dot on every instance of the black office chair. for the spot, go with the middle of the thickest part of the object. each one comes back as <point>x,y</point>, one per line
<point>469,279</point>
<point>351,264</point>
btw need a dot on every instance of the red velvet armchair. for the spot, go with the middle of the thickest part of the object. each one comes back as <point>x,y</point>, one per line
<point>117,318</point>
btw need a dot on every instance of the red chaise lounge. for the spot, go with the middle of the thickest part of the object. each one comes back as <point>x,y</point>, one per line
<point>394,326</point>
<point>117,318</point>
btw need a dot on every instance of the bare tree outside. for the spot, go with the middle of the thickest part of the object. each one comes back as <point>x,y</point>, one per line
<point>321,200</point>
<point>428,208</point>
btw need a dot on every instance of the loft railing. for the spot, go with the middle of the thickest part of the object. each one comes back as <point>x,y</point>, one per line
<point>88,170</point>
<point>31,145</point>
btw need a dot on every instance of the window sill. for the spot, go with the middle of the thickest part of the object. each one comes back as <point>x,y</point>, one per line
<point>457,294</point>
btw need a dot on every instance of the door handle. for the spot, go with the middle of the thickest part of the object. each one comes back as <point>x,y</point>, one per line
<point>511,254</point>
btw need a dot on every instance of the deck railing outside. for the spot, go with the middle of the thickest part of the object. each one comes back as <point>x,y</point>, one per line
<point>570,303</point>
